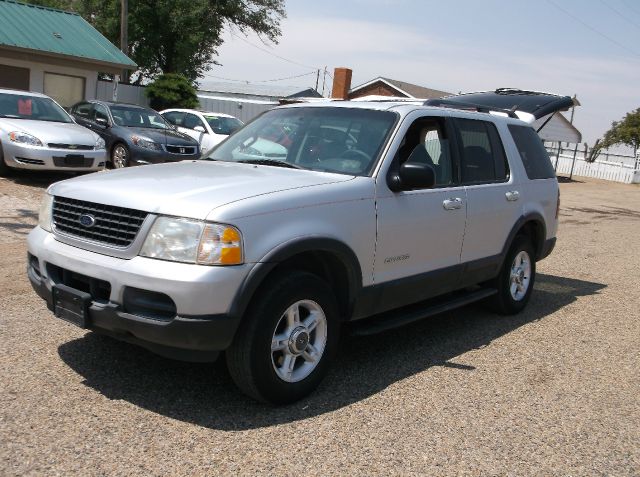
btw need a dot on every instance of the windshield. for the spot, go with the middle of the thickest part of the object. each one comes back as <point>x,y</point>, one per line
<point>35,108</point>
<point>331,139</point>
<point>132,117</point>
<point>224,125</point>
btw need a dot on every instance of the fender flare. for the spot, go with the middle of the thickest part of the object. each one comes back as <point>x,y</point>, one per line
<point>287,250</point>
<point>529,217</point>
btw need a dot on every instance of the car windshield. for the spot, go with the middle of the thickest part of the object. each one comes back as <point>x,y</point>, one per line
<point>35,108</point>
<point>331,139</point>
<point>223,125</point>
<point>132,117</point>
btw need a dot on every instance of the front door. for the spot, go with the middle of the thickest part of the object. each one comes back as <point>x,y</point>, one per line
<point>420,232</point>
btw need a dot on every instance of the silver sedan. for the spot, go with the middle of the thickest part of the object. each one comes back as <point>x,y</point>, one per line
<point>36,133</point>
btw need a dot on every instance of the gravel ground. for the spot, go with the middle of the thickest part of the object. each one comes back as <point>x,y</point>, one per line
<point>552,391</point>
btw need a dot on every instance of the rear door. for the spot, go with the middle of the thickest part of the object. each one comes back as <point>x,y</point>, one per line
<point>493,197</point>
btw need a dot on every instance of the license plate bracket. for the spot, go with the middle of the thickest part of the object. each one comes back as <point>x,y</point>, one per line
<point>71,305</point>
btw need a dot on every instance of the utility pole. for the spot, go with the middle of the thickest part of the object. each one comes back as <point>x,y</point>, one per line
<point>124,34</point>
<point>317,79</point>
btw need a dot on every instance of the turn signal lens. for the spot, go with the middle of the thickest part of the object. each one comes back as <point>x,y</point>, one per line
<point>220,245</point>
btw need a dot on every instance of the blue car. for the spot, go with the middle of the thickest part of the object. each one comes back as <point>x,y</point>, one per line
<point>135,135</point>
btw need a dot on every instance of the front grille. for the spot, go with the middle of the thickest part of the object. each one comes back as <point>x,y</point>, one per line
<point>180,149</point>
<point>77,147</point>
<point>106,224</point>
<point>72,161</point>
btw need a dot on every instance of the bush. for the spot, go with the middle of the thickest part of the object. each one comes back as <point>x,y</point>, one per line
<point>171,91</point>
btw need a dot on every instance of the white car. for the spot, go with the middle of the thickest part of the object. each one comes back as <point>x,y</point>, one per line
<point>208,129</point>
<point>36,133</point>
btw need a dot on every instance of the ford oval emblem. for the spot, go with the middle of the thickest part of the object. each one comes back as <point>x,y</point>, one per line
<point>87,220</point>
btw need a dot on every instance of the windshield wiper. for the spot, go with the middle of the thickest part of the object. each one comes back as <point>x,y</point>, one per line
<point>271,162</point>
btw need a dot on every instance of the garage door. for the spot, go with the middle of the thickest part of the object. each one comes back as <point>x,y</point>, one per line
<point>14,78</point>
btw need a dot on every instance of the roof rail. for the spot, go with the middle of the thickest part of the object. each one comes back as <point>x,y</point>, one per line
<point>445,103</point>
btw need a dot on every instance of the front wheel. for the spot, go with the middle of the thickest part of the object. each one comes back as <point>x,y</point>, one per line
<point>516,278</point>
<point>120,156</point>
<point>287,339</point>
<point>5,170</point>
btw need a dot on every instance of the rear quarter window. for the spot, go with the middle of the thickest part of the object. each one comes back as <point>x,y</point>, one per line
<point>532,152</point>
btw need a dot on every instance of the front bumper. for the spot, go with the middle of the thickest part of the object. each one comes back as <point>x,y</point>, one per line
<point>201,326</point>
<point>22,156</point>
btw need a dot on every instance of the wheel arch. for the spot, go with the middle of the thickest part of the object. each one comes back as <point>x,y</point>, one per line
<point>329,258</point>
<point>532,225</point>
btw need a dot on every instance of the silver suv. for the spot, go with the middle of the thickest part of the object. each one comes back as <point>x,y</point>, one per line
<point>312,215</point>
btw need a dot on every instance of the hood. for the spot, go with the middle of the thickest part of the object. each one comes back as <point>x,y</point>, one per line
<point>163,136</point>
<point>50,132</point>
<point>188,188</point>
<point>527,105</point>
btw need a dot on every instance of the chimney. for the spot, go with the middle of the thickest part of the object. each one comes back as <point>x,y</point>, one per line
<point>341,83</point>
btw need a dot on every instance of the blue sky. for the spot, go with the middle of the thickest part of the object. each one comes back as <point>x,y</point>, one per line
<point>590,48</point>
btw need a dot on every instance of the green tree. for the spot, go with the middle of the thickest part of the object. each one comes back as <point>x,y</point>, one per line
<point>177,36</point>
<point>625,132</point>
<point>171,91</point>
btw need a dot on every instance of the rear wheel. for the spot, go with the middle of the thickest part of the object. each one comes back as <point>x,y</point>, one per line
<point>516,278</point>
<point>119,156</point>
<point>287,339</point>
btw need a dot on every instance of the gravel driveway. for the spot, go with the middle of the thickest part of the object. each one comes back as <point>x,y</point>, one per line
<point>552,391</point>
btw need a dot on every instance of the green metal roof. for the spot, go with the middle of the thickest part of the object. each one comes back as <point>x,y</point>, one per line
<point>55,32</point>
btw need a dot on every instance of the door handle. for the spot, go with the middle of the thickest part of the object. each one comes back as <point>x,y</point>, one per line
<point>512,195</point>
<point>452,204</point>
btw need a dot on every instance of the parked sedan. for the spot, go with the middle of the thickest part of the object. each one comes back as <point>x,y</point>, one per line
<point>36,133</point>
<point>135,135</point>
<point>209,129</point>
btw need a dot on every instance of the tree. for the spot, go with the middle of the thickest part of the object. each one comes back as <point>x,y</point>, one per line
<point>177,36</point>
<point>625,132</point>
<point>171,91</point>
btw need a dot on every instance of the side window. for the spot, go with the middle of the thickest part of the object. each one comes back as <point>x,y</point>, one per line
<point>83,110</point>
<point>100,112</point>
<point>191,121</point>
<point>482,154</point>
<point>534,156</point>
<point>426,142</point>
<point>174,117</point>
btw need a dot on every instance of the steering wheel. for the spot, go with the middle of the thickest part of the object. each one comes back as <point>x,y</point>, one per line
<point>354,154</point>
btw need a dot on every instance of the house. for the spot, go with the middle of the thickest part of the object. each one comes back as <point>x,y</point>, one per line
<point>247,100</point>
<point>389,87</point>
<point>54,52</point>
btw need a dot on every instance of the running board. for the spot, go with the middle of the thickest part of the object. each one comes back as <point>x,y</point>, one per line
<point>406,315</point>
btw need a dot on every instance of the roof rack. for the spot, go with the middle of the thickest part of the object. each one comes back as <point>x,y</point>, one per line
<point>444,103</point>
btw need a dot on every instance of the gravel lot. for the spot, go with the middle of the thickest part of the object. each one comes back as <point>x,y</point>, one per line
<point>552,391</point>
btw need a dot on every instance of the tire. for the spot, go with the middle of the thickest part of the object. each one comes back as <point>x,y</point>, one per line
<point>120,156</point>
<point>274,358</point>
<point>514,289</point>
<point>5,170</point>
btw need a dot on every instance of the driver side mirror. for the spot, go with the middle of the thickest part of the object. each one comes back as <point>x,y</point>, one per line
<point>102,122</point>
<point>199,129</point>
<point>412,176</point>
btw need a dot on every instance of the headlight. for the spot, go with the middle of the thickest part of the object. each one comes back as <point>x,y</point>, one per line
<point>193,241</point>
<point>146,143</point>
<point>24,138</point>
<point>99,144</point>
<point>44,218</point>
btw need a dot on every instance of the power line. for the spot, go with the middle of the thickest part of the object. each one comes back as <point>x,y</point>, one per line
<point>314,68</point>
<point>631,6</point>
<point>262,81</point>
<point>586,25</point>
<point>622,15</point>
